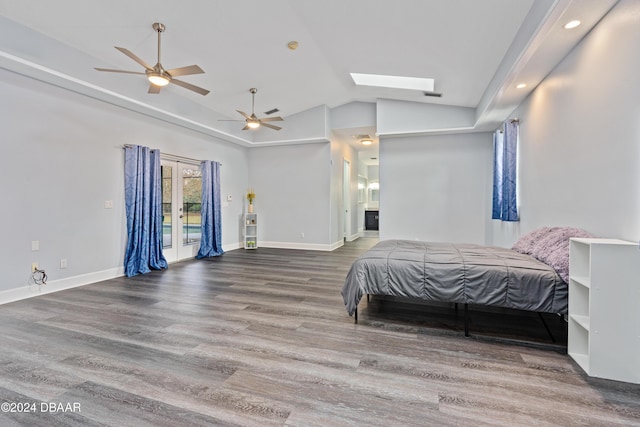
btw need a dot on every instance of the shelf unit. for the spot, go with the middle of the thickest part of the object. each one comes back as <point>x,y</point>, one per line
<point>251,231</point>
<point>604,315</point>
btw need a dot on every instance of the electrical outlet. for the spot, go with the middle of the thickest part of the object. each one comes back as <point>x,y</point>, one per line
<point>63,263</point>
<point>34,266</point>
<point>302,235</point>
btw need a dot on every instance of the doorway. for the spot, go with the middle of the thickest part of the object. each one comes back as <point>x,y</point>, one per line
<point>181,203</point>
<point>346,200</point>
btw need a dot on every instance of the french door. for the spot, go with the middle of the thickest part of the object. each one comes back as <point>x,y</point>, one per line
<point>181,201</point>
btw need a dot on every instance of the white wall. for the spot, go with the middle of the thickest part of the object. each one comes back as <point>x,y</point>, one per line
<point>580,136</point>
<point>353,115</point>
<point>309,125</point>
<point>436,188</point>
<point>292,185</point>
<point>398,117</point>
<point>62,157</point>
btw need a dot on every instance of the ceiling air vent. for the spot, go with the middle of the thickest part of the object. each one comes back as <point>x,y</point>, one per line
<point>274,110</point>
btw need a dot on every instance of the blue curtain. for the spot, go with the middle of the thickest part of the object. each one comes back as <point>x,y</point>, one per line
<point>505,152</point>
<point>211,242</point>
<point>143,203</point>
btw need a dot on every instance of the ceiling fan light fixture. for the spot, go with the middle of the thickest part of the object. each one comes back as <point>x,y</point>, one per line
<point>158,79</point>
<point>366,141</point>
<point>572,24</point>
<point>253,124</point>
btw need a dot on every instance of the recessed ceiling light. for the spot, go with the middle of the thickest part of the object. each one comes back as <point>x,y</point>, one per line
<point>394,82</point>
<point>572,24</point>
<point>521,86</point>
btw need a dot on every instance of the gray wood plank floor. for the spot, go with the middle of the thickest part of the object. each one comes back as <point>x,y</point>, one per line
<point>262,338</point>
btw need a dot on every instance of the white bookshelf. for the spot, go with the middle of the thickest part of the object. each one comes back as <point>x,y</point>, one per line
<point>251,231</point>
<point>604,308</point>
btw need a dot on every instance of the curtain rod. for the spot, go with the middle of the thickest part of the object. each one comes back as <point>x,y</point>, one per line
<point>173,156</point>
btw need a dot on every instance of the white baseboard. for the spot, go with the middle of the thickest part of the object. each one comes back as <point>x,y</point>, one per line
<point>30,291</point>
<point>232,246</point>
<point>353,237</point>
<point>291,245</point>
<point>338,244</point>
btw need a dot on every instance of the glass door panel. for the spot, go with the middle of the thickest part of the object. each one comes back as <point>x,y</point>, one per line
<point>191,203</point>
<point>167,206</point>
<point>169,197</point>
<point>181,201</point>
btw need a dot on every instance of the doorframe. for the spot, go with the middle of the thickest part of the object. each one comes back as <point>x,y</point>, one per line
<point>346,200</point>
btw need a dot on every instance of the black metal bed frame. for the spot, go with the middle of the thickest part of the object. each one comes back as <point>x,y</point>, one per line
<point>466,319</point>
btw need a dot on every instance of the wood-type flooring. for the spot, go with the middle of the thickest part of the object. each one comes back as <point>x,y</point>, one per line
<point>262,338</point>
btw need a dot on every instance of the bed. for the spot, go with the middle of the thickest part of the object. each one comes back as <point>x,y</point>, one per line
<point>531,276</point>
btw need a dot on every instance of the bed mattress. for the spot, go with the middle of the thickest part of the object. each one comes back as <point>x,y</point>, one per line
<point>451,272</point>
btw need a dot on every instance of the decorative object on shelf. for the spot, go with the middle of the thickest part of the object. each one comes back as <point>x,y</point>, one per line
<point>250,196</point>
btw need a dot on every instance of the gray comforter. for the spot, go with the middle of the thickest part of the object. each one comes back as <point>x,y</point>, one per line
<point>448,272</point>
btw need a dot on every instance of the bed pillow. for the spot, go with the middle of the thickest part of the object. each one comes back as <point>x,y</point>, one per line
<point>553,248</point>
<point>525,244</point>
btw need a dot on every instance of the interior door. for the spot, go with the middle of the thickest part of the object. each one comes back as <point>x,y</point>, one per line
<point>181,202</point>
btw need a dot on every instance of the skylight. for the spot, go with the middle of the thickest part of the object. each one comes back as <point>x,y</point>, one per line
<point>394,82</point>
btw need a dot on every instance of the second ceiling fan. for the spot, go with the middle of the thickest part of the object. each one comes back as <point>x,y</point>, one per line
<point>252,121</point>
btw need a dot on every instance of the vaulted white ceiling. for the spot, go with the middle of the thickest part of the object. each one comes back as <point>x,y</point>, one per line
<point>476,50</point>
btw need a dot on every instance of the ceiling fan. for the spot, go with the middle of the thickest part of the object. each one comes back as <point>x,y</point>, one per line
<point>157,75</point>
<point>253,122</point>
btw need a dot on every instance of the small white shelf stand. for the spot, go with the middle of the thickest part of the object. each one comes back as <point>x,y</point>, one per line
<point>604,308</point>
<point>251,231</point>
